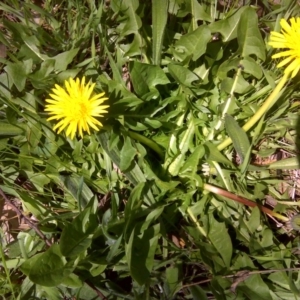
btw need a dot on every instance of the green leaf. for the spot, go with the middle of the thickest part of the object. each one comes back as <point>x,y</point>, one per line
<point>241,87</point>
<point>5,86</point>
<point>71,184</point>
<point>220,238</point>
<point>134,48</point>
<point>291,163</point>
<point>114,250</point>
<point>173,279</point>
<point>154,214</point>
<point>184,144</point>
<point>135,175</point>
<point>228,26</point>
<point>159,21</point>
<point>198,293</point>
<point>63,59</point>
<point>192,162</point>
<point>182,75</point>
<point>39,180</point>
<point>72,281</point>
<point>127,154</point>
<point>195,43</point>
<point>18,73</point>
<point>145,76</point>
<point>238,136</point>
<point>7,129</point>
<point>249,37</point>
<point>250,66</point>
<point>134,201</point>
<point>133,22</point>
<point>226,66</point>
<point>215,155</point>
<point>280,278</point>
<point>140,251</point>
<point>48,268</point>
<point>46,68</point>
<point>199,12</point>
<point>255,288</point>
<point>76,237</point>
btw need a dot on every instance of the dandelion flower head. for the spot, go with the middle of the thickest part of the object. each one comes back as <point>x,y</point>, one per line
<point>75,107</point>
<point>288,40</point>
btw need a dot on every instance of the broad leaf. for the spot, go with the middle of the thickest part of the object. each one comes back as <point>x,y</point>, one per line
<point>228,26</point>
<point>238,136</point>
<point>145,76</point>
<point>140,251</point>
<point>127,154</point>
<point>77,236</point>
<point>194,43</point>
<point>220,238</point>
<point>249,37</point>
<point>48,268</point>
<point>182,75</point>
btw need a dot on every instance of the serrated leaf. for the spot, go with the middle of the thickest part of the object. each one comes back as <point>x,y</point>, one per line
<point>18,73</point>
<point>48,268</point>
<point>127,154</point>
<point>241,86</point>
<point>63,59</point>
<point>226,66</point>
<point>182,75</point>
<point>215,155</point>
<point>249,37</point>
<point>199,12</point>
<point>76,236</point>
<point>238,136</point>
<point>145,76</point>
<point>192,162</point>
<point>159,21</point>
<point>250,66</point>
<point>255,288</point>
<point>140,251</point>
<point>173,279</point>
<point>195,43</point>
<point>220,238</point>
<point>133,22</point>
<point>228,26</point>
<point>71,184</point>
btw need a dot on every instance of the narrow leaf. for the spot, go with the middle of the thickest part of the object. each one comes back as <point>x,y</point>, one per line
<point>238,136</point>
<point>249,37</point>
<point>159,21</point>
<point>128,153</point>
<point>220,239</point>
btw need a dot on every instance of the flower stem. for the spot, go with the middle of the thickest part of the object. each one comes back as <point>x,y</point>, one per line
<point>144,140</point>
<point>271,100</point>
<point>224,193</point>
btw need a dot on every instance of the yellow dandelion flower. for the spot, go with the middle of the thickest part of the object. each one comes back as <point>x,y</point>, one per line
<point>288,39</point>
<point>76,107</point>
